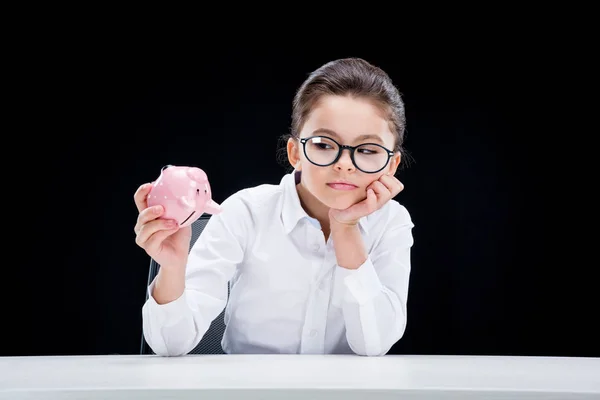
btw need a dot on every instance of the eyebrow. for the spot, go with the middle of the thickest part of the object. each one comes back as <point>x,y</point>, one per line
<point>360,138</point>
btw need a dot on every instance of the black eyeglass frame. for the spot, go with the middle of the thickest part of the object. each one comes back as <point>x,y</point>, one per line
<point>351,149</point>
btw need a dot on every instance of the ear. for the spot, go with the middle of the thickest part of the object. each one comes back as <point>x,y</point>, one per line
<point>394,163</point>
<point>293,152</point>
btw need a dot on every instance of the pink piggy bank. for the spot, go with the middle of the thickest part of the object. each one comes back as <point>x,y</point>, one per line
<point>184,193</point>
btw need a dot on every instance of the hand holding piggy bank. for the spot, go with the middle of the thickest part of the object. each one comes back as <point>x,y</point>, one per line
<point>184,193</point>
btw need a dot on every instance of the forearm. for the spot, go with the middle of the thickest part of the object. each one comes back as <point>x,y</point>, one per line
<point>171,328</point>
<point>374,322</point>
<point>176,319</point>
<point>375,316</point>
<point>170,284</point>
<point>349,246</point>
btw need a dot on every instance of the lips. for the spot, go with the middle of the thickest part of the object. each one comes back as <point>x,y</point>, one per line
<point>342,186</point>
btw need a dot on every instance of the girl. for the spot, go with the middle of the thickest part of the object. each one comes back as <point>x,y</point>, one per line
<point>318,264</point>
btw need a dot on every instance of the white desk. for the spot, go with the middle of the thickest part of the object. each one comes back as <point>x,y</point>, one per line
<point>298,377</point>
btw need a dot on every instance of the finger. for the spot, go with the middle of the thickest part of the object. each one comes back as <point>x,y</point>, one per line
<point>141,196</point>
<point>151,228</point>
<point>364,207</point>
<point>392,183</point>
<point>147,215</point>
<point>382,192</point>
<point>154,242</point>
<point>371,200</point>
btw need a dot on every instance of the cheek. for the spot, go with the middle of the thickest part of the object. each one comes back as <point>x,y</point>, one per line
<point>367,179</point>
<point>313,177</point>
<point>373,178</point>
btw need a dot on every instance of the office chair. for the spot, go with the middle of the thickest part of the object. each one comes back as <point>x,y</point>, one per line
<point>211,341</point>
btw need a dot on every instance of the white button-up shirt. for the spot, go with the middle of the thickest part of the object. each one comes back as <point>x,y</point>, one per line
<point>287,294</point>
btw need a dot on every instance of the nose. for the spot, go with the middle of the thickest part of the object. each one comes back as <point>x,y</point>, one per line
<point>344,163</point>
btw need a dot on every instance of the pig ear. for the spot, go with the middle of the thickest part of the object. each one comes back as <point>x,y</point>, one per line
<point>196,174</point>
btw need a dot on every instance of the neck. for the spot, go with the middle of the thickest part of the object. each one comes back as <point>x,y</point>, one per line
<point>314,208</point>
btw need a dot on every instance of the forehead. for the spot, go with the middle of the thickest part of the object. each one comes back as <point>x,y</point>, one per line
<point>350,118</point>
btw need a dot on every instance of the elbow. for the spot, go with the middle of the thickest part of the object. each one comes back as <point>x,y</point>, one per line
<point>170,354</point>
<point>373,349</point>
<point>380,344</point>
<point>393,336</point>
<point>381,350</point>
<point>177,340</point>
<point>164,349</point>
<point>369,353</point>
<point>163,352</point>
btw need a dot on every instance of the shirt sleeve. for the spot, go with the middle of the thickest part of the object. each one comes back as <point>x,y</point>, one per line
<point>375,294</point>
<point>175,328</point>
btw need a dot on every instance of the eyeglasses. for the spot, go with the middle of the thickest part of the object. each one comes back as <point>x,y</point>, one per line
<point>323,151</point>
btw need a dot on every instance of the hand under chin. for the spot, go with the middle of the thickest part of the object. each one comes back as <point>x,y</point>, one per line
<point>344,202</point>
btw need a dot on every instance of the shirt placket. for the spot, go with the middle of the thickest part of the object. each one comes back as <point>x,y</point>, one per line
<point>315,322</point>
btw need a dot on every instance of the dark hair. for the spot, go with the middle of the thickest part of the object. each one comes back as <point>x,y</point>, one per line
<point>350,77</point>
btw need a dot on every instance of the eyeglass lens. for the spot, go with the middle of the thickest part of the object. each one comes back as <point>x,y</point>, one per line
<point>368,157</point>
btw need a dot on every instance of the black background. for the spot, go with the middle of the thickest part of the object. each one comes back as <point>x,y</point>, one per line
<point>494,265</point>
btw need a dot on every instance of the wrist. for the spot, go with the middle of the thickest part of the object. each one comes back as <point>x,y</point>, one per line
<point>349,247</point>
<point>342,226</point>
<point>170,284</point>
<point>170,273</point>
<point>172,268</point>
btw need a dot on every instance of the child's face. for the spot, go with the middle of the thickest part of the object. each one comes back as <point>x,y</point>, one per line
<point>345,120</point>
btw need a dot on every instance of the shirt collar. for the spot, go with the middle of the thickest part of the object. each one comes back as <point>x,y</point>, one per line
<point>292,211</point>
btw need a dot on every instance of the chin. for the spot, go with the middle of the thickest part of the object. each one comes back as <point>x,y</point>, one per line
<point>340,201</point>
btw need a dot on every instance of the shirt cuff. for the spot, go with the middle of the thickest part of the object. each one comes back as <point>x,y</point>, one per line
<point>169,313</point>
<point>362,284</point>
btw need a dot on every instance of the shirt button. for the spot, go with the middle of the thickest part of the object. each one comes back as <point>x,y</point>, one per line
<point>316,247</point>
<point>324,285</point>
<point>313,333</point>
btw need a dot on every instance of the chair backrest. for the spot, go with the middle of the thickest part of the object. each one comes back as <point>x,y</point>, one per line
<point>211,342</point>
